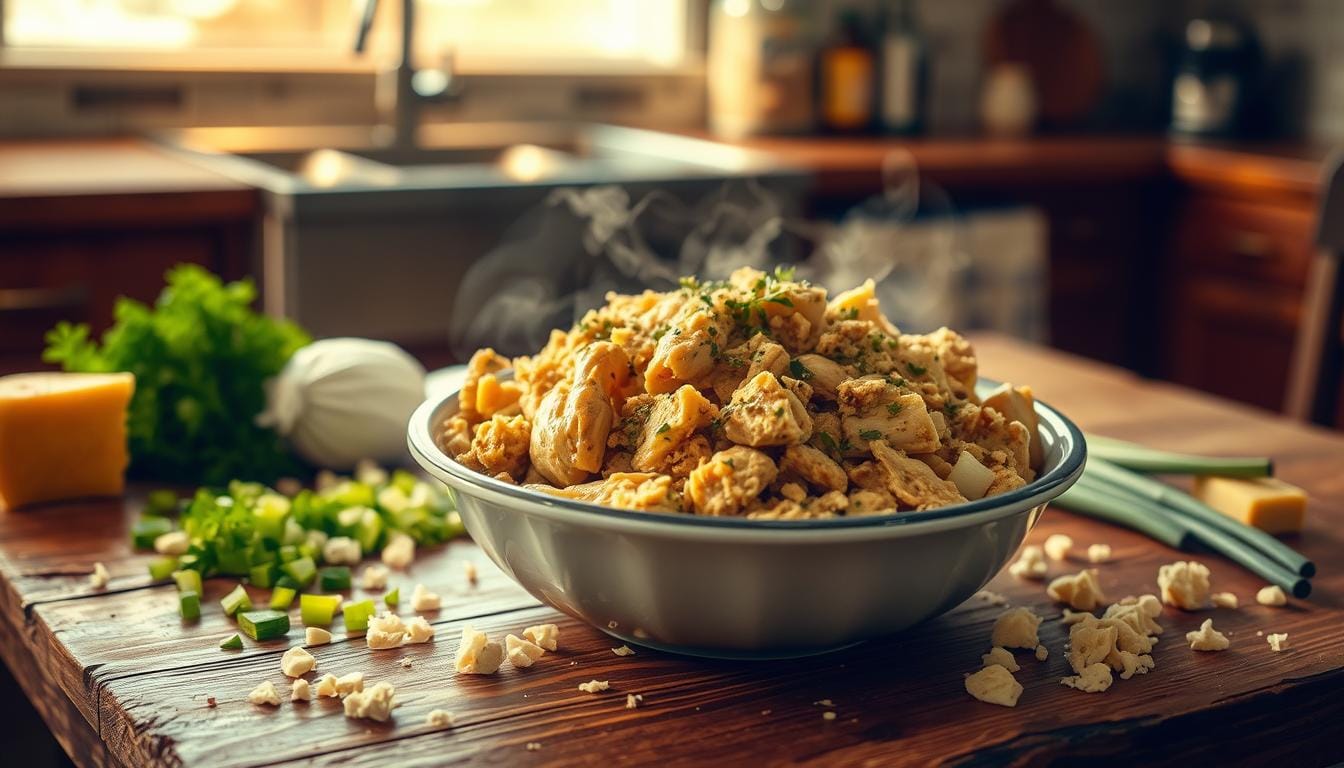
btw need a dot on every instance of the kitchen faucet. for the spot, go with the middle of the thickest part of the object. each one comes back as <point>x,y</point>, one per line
<point>400,92</point>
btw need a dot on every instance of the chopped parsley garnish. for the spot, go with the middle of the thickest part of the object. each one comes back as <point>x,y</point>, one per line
<point>894,408</point>
<point>849,313</point>
<point>665,427</point>
<point>779,412</point>
<point>660,332</point>
<point>705,298</point>
<point>916,370</point>
<point>950,408</point>
<point>828,441</point>
<point>689,283</point>
<point>779,300</point>
<point>799,370</point>
<point>729,462</point>
<point>870,434</point>
<point>785,274</point>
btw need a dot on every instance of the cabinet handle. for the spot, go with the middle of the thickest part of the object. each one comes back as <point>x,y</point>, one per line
<point>1251,245</point>
<point>29,299</point>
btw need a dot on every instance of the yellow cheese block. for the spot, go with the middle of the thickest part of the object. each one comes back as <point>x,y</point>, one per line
<point>62,436</point>
<point>1267,503</point>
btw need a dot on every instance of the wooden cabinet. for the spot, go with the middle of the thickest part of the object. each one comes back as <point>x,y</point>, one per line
<point>1235,275</point>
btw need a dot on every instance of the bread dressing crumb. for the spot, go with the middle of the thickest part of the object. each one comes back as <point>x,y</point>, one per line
<point>594,686</point>
<point>633,700</point>
<point>1041,653</point>
<point>1016,628</point>
<point>469,569</point>
<point>1271,595</point>
<point>1224,600</point>
<point>823,703</point>
<point>1099,553</point>
<point>1081,592</point>
<point>1057,546</point>
<point>1206,638</point>
<point>624,650</point>
<point>994,685</point>
<point>210,702</point>
<point>993,598</point>
<point>533,746</point>
<point>1184,584</point>
<point>406,662</point>
<point>1002,657</point>
<point>99,577</point>
<point>1095,678</point>
<point>828,715</point>
<point>439,718</point>
<point>1030,564</point>
<point>1278,642</point>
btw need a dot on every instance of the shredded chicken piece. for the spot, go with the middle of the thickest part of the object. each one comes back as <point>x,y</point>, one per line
<point>815,467</point>
<point>729,481</point>
<point>872,408</point>
<point>764,413</point>
<point>643,491</point>
<point>912,481</point>
<point>569,435</point>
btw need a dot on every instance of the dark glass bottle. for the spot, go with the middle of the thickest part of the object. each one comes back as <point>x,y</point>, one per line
<point>846,78</point>
<point>903,72</point>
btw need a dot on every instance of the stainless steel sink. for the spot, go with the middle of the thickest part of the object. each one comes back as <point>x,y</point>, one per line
<point>361,237</point>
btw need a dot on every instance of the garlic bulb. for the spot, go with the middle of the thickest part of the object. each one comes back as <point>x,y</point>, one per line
<point>341,400</point>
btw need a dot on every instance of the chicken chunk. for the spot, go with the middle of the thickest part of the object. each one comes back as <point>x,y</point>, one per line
<point>729,481</point>
<point>957,357</point>
<point>668,425</point>
<point>685,354</point>
<point>912,481</point>
<point>640,491</point>
<point>872,408</point>
<point>569,434</point>
<point>762,413</point>
<point>860,303</point>
<point>1017,404</point>
<point>501,445</point>
<point>815,467</point>
<point>824,374</point>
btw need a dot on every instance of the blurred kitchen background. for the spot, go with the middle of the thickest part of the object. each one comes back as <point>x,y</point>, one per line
<point>1135,181</point>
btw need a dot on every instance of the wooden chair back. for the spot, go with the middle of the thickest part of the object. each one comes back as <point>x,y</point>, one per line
<point>1314,381</point>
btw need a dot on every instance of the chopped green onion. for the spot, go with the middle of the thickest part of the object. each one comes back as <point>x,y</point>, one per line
<point>271,512</point>
<point>357,615</point>
<point>303,570</point>
<point>287,582</point>
<point>145,530</point>
<point>1099,502</point>
<point>369,529</point>
<point>1198,510</point>
<point>334,578</point>
<point>1126,504</point>
<point>289,552</point>
<point>262,575</point>
<point>236,601</point>
<point>282,598</point>
<point>161,502</point>
<point>1151,461</point>
<point>393,598</point>
<point>189,605</point>
<point>161,568</point>
<point>188,581</point>
<point>231,643</point>
<point>318,610</point>
<point>263,625</point>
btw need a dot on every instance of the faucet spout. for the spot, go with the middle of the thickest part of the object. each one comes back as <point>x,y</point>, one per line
<point>397,94</point>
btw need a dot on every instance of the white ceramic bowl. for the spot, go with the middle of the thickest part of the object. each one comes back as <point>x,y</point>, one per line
<point>736,588</point>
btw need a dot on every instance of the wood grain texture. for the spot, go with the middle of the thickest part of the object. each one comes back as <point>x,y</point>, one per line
<point>143,678</point>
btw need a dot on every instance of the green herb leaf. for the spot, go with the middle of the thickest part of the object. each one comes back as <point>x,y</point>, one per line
<point>916,370</point>
<point>894,408</point>
<point>870,434</point>
<point>665,427</point>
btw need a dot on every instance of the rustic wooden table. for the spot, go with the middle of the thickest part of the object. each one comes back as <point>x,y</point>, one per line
<point>121,681</point>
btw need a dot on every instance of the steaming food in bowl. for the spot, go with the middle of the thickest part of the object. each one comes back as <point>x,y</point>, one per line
<point>754,397</point>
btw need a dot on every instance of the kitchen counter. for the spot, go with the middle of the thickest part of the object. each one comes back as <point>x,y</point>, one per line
<point>119,182</point>
<point>852,165</point>
<point>121,680</point>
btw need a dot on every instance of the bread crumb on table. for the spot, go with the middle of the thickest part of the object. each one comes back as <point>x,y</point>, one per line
<point>99,577</point>
<point>1271,595</point>
<point>533,746</point>
<point>265,694</point>
<point>1184,584</point>
<point>994,685</point>
<point>1224,600</point>
<point>1278,641</point>
<point>828,715</point>
<point>594,686</point>
<point>469,569</point>
<point>1099,553</point>
<point>633,700</point>
<point>1206,638</point>
<point>1057,546</point>
<point>1095,678</point>
<point>1016,628</point>
<point>439,718</point>
<point>1041,653</point>
<point>1030,564</point>
<point>1081,592</point>
<point>993,598</point>
<point>1002,657</point>
<point>624,650</point>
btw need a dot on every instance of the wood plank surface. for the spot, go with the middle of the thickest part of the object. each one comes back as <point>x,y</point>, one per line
<point>139,678</point>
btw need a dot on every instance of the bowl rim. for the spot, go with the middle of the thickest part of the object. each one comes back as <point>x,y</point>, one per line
<point>1048,485</point>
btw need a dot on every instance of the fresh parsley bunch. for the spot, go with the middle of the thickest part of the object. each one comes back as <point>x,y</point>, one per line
<point>201,357</point>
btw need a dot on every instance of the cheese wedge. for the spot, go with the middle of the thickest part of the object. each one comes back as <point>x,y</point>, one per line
<point>1266,503</point>
<point>62,436</point>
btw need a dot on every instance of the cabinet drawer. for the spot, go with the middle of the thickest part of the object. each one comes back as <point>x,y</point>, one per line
<point>1226,237</point>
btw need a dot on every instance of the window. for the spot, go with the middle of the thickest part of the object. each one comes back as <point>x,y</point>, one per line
<point>481,33</point>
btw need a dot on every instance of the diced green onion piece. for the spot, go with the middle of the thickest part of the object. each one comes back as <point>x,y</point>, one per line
<point>1152,461</point>
<point>309,551</point>
<point>161,502</point>
<point>318,610</point>
<point>282,598</point>
<point>271,512</point>
<point>334,578</point>
<point>357,615</point>
<point>289,552</point>
<point>302,570</point>
<point>264,625</point>
<point>262,575</point>
<point>392,598</point>
<point>188,581</point>
<point>161,568</point>
<point>369,530</point>
<point>231,643</point>
<point>294,533</point>
<point>145,530</point>
<point>189,605</point>
<point>286,581</point>
<point>236,601</point>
